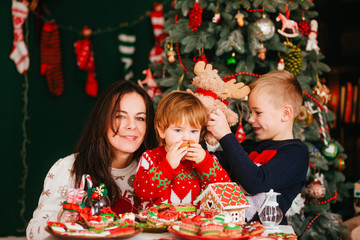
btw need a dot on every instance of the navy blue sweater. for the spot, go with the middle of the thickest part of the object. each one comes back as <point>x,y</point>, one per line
<point>284,167</point>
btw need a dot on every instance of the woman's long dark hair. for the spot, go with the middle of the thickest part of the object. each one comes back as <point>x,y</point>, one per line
<point>93,151</point>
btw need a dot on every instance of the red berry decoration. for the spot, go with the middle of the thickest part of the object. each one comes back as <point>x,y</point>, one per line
<point>195,17</point>
<point>304,27</point>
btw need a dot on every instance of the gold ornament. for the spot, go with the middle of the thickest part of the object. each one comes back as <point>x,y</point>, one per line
<point>171,54</point>
<point>305,117</point>
<point>262,53</point>
<point>239,19</point>
<point>322,92</point>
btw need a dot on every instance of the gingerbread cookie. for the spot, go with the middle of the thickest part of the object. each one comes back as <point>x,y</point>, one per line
<point>186,144</point>
<point>287,236</point>
<point>252,229</point>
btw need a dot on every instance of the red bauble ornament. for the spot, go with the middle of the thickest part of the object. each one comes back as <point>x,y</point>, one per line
<point>95,196</point>
<point>304,27</point>
<point>316,189</point>
<point>195,17</point>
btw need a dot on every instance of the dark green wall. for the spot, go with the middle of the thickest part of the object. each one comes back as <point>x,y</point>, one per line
<point>55,123</point>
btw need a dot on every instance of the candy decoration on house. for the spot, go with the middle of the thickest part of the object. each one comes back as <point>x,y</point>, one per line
<point>85,61</point>
<point>127,50</point>
<point>239,19</point>
<point>153,89</point>
<point>195,16</point>
<point>220,198</point>
<point>213,92</point>
<point>157,20</point>
<point>19,53</point>
<point>293,58</point>
<point>287,24</point>
<point>312,43</point>
<point>50,58</point>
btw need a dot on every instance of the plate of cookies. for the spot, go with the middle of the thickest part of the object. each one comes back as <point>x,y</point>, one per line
<point>198,229</point>
<point>77,231</point>
<point>158,218</point>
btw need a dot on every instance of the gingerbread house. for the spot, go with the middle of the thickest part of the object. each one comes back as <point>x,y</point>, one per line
<point>223,197</point>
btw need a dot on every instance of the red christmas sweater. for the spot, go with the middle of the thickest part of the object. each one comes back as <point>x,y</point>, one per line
<point>156,182</point>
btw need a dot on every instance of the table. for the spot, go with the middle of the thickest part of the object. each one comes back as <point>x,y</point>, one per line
<point>151,236</point>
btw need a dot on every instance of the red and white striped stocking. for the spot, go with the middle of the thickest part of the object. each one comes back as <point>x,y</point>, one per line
<point>19,53</point>
<point>157,20</point>
<point>50,53</point>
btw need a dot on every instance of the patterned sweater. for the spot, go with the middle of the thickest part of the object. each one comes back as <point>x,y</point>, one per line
<point>57,182</point>
<point>156,182</point>
<point>264,165</point>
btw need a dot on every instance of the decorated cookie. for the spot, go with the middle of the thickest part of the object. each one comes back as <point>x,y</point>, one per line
<point>189,227</point>
<point>211,229</point>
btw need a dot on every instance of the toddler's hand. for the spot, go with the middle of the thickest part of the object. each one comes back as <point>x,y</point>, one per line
<point>174,154</point>
<point>217,124</point>
<point>195,153</point>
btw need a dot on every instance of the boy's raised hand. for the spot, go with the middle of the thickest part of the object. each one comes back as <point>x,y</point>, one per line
<point>175,154</point>
<point>195,153</point>
<point>217,124</point>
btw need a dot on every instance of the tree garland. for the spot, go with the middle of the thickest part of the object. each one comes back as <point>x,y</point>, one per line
<point>325,201</point>
<point>100,31</point>
<point>311,222</point>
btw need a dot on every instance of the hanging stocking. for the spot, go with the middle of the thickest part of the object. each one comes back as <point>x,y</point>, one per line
<point>240,133</point>
<point>50,54</point>
<point>85,61</point>
<point>19,53</point>
<point>127,50</point>
<point>157,20</point>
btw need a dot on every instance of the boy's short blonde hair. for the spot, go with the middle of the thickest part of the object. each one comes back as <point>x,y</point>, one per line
<point>176,107</point>
<point>283,87</point>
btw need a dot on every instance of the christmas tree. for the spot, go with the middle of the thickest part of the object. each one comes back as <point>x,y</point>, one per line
<point>243,40</point>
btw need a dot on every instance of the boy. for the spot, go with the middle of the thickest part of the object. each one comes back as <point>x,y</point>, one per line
<point>277,161</point>
<point>172,173</point>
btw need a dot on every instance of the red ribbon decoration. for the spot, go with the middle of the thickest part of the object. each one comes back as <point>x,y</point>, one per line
<point>210,94</point>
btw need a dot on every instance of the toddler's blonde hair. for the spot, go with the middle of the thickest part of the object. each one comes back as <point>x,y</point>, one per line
<point>176,107</point>
<point>283,87</point>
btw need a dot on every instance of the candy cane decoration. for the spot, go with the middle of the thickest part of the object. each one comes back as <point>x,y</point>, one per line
<point>86,178</point>
<point>70,196</point>
<point>322,128</point>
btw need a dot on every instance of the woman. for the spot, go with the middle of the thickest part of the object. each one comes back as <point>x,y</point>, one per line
<point>119,130</point>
